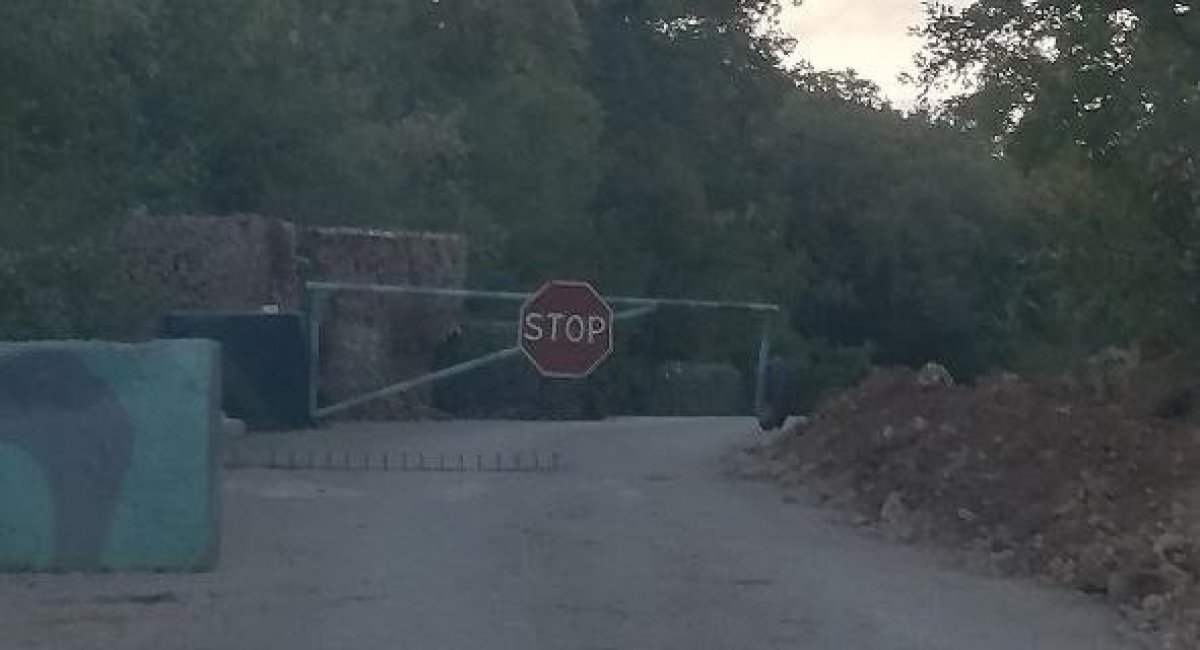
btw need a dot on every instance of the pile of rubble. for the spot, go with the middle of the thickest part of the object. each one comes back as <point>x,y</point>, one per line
<point>1034,477</point>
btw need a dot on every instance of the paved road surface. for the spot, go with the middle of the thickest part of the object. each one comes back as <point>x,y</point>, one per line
<point>638,542</point>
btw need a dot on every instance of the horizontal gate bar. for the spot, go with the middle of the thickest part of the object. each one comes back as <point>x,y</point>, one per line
<point>636,313</point>
<point>417,382</point>
<point>699,304</point>
<point>446,373</point>
<point>444,292</point>
<point>448,292</point>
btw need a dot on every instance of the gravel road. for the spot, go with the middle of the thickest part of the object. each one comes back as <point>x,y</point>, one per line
<point>638,541</point>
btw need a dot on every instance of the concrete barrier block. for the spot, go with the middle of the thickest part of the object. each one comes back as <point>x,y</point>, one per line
<point>109,456</point>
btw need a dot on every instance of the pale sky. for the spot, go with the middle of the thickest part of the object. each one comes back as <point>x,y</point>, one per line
<point>870,36</point>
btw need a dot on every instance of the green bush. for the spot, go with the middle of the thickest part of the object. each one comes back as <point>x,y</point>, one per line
<point>508,389</point>
<point>694,389</point>
<point>816,372</point>
<point>63,292</point>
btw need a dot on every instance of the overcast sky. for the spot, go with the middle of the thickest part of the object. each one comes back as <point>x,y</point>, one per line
<point>870,36</point>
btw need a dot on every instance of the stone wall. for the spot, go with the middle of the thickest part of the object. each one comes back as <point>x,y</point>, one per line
<point>242,262</point>
<point>109,456</point>
<point>371,340</point>
<point>233,263</point>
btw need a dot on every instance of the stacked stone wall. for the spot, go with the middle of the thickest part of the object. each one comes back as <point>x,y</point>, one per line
<point>245,262</point>
<point>371,339</point>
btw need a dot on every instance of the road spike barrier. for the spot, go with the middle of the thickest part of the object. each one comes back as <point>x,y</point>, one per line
<point>310,460</point>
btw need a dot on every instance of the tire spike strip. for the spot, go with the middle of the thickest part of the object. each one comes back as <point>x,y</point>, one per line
<point>308,460</point>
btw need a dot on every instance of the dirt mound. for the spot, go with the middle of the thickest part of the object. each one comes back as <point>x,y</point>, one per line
<point>1038,477</point>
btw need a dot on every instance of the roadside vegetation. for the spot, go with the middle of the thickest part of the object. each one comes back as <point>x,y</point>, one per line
<point>1047,209</point>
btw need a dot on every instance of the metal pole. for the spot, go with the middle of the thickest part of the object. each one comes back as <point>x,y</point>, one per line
<point>316,309</point>
<point>444,292</point>
<point>764,358</point>
<point>698,304</point>
<point>444,373</point>
<point>517,296</point>
<point>417,382</point>
<point>635,313</point>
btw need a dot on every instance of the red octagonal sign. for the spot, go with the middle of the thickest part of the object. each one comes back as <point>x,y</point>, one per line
<point>566,329</point>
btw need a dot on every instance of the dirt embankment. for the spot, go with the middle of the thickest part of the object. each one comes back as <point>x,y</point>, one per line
<point>1035,477</point>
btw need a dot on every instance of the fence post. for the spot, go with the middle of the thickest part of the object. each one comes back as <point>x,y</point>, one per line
<point>316,313</point>
<point>764,357</point>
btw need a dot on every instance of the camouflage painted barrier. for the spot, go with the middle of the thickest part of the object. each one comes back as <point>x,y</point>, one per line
<point>109,456</point>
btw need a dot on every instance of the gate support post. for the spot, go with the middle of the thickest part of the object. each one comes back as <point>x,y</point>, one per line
<point>316,313</point>
<point>764,357</point>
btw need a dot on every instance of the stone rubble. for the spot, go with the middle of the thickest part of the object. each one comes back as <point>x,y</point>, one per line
<point>1035,478</point>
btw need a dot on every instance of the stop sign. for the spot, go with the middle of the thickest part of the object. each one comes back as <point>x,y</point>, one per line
<point>566,329</point>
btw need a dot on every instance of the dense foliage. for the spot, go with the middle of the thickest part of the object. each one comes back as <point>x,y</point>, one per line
<point>659,147</point>
<point>1099,101</point>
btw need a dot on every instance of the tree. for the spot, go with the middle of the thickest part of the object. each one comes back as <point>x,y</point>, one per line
<point>1102,99</point>
<point>657,147</point>
<point>685,87</point>
<point>896,232</point>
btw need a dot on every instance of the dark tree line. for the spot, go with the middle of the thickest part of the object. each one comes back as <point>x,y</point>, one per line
<point>657,147</point>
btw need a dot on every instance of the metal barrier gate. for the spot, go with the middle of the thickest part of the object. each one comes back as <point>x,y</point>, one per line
<point>318,294</point>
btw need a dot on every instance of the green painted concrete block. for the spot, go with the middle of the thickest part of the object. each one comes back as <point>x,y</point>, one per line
<point>109,457</point>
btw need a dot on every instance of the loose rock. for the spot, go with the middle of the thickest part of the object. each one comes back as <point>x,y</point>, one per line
<point>934,375</point>
<point>1101,499</point>
<point>895,517</point>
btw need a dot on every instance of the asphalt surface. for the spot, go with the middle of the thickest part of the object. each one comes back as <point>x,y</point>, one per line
<point>638,540</point>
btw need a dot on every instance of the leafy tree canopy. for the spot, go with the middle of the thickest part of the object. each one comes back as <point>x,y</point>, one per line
<point>1101,100</point>
<point>658,147</point>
